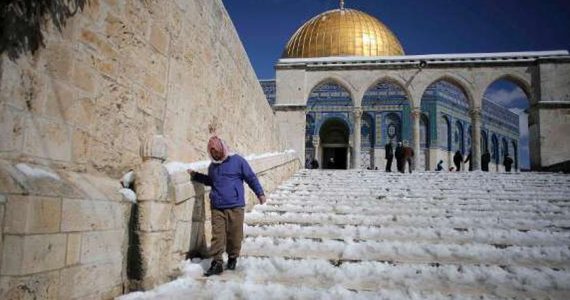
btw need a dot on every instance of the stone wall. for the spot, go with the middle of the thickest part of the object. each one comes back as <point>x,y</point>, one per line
<point>64,234</point>
<point>81,108</point>
<point>125,70</point>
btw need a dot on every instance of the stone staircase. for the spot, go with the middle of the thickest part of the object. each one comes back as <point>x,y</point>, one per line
<point>375,235</point>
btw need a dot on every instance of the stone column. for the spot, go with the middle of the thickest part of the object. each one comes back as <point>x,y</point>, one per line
<point>153,212</point>
<point>416,114</point>
<point>476,139</point>
<point>357,137</point>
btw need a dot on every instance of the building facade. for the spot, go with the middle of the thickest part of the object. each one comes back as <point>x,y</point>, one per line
<point>345,70</point>
<point>445,125</point>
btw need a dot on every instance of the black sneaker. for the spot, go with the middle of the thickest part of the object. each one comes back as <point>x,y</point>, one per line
<point>232,262</point>
<point>215,269</point>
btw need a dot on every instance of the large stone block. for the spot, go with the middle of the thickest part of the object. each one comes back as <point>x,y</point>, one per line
<point>85,215</point>
<point>159,38</point>
<point>182,236</point>
<point>79,145</point>
<point>84,280</point>
<point>59,99</point>
<point>183,211</point>
<point>73,254</point>
<point>155,216</point>
<point>29,214</point>
<point>12,128</point>
<point>37,286</point>
<point>85,78</point>
<point>103,246</point>
<point>95,187</point>
<point>22,255</point>
<point>59,58</point>
<point>48,139</point>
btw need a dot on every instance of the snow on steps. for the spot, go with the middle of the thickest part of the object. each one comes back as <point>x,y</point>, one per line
<point>371,235</point>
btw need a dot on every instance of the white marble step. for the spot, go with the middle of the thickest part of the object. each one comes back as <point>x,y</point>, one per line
<point>412,233</point>
<point>374,280</point>
<point>411,219</point>
<point>408,252</point>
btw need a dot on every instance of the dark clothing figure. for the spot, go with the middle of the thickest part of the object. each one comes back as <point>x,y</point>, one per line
<point>485,160</point>
<point>468,160</point>
<point>408,158</point>
<point>314,164</point>
<point>389,156</point>
<point>508,162</point>
<point>226,175</point>
<point>439,166</point>
<point>457,159</point>
<point>400,157</point>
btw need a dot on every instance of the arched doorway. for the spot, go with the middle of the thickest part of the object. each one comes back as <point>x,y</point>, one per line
<point>327,100</point>
<point>384,104</point>
<point>505,107</point>
<point>334,134</point>
<point>446,105</point>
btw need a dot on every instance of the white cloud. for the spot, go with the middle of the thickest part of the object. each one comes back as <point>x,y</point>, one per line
<point>506,97</point>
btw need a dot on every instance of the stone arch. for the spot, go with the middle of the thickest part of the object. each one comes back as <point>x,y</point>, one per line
<point>331,79</point>
<point>335,116</point>
<point>522,83</point>
<point>390,80</point>
<point>457,81</point>
<point>334,136</point>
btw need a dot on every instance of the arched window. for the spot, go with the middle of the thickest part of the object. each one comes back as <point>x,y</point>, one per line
<point>392,128</point>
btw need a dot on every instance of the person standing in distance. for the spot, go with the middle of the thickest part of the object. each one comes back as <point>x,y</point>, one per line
<point>226,175</point>
<point>389,156</point>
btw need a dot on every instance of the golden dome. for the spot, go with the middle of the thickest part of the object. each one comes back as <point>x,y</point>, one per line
<point>343,32</point>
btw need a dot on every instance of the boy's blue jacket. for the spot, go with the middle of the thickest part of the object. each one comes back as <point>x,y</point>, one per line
<point>226,180</point>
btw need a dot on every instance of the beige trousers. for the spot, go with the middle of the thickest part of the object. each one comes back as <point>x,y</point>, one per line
<point>227,232</point>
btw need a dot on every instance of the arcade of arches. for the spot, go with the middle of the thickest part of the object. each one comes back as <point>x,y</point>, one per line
<point>385,118</point>
<point>434,102</point>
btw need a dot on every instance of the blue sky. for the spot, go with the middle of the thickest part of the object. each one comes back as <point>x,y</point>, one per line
<point>422,26</point>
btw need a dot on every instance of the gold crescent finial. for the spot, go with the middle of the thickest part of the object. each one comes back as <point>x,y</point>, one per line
<point>341,4</point>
